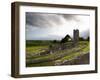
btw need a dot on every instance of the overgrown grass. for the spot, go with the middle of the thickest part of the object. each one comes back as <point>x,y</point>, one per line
<point>62,55</point>
<point>36,49</point>
<point>76,54</point>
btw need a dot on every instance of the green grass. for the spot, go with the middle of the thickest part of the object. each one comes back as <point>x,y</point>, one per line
<point>49,60</point>
<point>36,49</point>
<point>51,63</point>
<point>76,54</point>
<point>38,43</point>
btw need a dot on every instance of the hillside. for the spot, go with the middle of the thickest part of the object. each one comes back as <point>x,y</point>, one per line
<point>58,54</point>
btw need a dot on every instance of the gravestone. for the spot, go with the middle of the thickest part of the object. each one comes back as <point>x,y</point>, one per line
<point>75,36</point>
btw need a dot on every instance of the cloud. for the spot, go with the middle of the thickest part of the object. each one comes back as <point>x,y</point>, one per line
<point>39,20</point>
<point>48,20</point>
<point>70,17</point>
<point>85,34</point>
<point>49,26</point>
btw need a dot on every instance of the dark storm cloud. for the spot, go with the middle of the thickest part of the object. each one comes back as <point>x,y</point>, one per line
<point>42,20</point>
<point>47,20</point>
<point>70,17</point>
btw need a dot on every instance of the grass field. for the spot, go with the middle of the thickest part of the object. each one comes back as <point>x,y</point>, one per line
<point>35,53</point>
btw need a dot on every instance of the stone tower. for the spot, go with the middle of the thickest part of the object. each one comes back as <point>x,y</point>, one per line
<point>75,35</point>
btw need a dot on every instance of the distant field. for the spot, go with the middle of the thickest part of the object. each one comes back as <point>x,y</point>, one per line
<point>35,53</point>
<point>36,49</point>
<point>38,42</point>
<point>37,46</point>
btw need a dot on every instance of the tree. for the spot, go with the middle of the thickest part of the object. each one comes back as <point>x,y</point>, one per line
<point>88,38</point>
<point>81,39</point>
<point>65,39</point>
<point>54,41</point>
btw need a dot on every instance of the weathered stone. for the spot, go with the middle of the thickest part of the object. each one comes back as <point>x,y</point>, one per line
<point>75,36</point>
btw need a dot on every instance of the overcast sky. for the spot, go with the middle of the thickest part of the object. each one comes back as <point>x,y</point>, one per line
<point>43,26</point>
